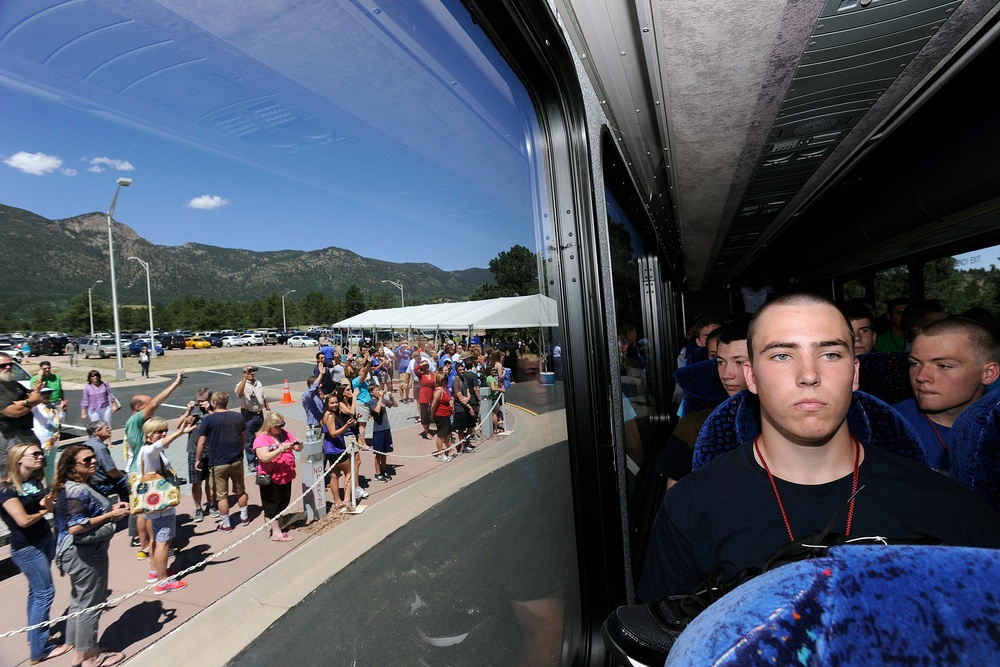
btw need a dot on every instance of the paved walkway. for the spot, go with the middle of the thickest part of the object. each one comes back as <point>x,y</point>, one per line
<point>141,620</point>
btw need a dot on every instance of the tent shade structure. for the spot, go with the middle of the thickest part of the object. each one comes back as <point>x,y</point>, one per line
<point>513,312</point>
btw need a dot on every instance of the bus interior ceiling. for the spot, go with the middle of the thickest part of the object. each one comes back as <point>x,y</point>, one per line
<point>797,142</point>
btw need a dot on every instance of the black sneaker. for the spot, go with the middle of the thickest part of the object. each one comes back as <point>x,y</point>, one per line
<point>135,543</point>
<point>643,634</point>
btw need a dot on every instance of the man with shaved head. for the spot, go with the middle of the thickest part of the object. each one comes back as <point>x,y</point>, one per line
<point>952,361</point>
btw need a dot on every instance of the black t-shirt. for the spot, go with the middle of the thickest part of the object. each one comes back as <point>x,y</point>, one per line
<point>472,385</point>
<point>11,392</point>
<point>727,511</point>
<point>223,433</point>
<point>37,532</point>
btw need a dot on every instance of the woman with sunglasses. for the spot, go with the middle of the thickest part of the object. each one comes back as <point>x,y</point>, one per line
<point>24,502</point>
<point>97,402</point>
<point>85,524</point>
<point>274,446</point>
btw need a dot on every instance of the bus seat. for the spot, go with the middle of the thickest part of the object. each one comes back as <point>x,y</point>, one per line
<point>701,386</point>
<point>974,457</point>
<point>857,606</point>
<point>869,419</point>
<point>885,375</point>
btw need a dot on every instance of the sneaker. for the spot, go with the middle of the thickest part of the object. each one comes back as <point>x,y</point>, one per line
<point>169,587</point>
<point>136,543</point>
<point>645,633</point>
<point>153,577</point>
<point>199,516</point>
<point>142,555</point>
<point>360,493</point>
<point>173,552</point>
<point>225,529</point>
<point>213,512</point>
<point>245,520</point>
<point>381,478</point>
<point>470,448</point>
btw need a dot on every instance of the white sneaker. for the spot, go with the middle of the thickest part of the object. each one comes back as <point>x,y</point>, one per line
<point>360,493</point>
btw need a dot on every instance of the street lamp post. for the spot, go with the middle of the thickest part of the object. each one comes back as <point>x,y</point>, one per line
<point>149,300</point>
<point>90,302</point>
<point>398,286</point>
<point>122,182</point>
<point>284,324</point>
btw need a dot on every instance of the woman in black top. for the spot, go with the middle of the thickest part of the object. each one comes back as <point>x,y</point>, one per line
<point>24,502</point>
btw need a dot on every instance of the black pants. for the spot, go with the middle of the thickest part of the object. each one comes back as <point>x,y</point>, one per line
<point>275,498</point>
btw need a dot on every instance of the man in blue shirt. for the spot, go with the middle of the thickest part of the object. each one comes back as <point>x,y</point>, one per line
<point>951,363</point>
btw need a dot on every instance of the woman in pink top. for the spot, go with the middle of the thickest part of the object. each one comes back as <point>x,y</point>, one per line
<point>97,402</point>
<point>274,446</point>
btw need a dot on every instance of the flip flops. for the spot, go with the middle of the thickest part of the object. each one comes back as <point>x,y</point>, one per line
<point>55,652</point>
<point>103,660</point>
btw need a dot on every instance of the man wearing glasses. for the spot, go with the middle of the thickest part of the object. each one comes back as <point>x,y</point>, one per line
<point>16,403</point>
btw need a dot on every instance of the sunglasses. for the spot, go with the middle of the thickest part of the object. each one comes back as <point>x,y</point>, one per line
<point>37,455</point>
<point>87,461</point>
<point>161,430</point>
<point>281,425</point>
<point>6,364</point>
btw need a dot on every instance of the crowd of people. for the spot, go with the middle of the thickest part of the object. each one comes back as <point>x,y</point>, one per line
<point>346,403</point>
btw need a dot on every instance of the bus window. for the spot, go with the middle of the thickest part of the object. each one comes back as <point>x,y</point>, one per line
<point>890,284</point>
<point>633,351</point>
<point>965,281</point>
<point>855,289</point>
<point>352,140</point>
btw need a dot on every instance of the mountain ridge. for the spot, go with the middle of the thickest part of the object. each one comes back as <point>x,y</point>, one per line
<point>51,258</point>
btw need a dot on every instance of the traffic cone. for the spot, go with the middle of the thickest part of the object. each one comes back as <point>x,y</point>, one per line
<point>287,398</point>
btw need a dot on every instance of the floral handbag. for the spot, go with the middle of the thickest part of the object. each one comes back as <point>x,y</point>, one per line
<point>151,492</point>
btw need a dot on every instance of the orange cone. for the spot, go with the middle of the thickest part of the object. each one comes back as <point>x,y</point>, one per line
<point>287,398</point>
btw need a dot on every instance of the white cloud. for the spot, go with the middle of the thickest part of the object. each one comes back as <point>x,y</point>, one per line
<point>34,163</point>
<point>69,172</point>
<point>117,165</point>
<point>207,202</point>
<point>95,169</point>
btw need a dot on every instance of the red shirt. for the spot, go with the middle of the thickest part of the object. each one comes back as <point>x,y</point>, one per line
<point>426,393</point>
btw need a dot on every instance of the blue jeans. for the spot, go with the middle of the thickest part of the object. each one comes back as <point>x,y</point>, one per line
<point>36,563</point>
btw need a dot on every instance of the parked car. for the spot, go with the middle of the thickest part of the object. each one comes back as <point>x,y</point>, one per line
<point>302,341</point>
<point>270,336</point>
<point>21,375</point>
<point>216,341</point>
<point>136,347</point>
<point>232,341</point>
<point>197,342</point>
<point>48,345</point>
<point>171,341</point>
<point>13,351</point>
<point>101,347</point>
<point>252,339</point>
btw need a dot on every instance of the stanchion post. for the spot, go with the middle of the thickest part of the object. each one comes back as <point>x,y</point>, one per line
<point>312,475</point>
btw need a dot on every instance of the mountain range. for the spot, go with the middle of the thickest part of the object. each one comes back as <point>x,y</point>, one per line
<point>57,259</point>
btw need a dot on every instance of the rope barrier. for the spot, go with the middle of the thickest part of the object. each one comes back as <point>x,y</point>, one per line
<point>214,556</point>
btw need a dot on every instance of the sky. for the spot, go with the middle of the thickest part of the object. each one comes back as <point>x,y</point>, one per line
<point>984,258</point>
<point>415,152</point>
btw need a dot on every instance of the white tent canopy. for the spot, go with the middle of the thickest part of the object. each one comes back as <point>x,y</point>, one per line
<point>513,312</point>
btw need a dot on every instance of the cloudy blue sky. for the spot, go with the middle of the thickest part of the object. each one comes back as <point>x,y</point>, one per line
<point>396,134</point>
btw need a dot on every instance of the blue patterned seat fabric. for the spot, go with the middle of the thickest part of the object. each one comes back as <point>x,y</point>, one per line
<point>885,375</point>
<point>858,606</point>
<point>701,386</point>
<point>870,420</point>
<point>974,457</point>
